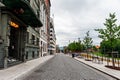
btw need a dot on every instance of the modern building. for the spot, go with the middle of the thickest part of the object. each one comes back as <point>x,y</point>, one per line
<point>52,45</point>
<point>19,31</point>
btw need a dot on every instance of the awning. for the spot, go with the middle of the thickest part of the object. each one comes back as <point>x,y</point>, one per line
<point>23,10</point>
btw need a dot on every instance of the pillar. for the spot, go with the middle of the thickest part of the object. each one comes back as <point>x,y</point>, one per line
<point>4,39</point>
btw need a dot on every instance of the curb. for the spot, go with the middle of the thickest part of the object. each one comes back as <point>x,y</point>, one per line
<point>98,69</point>
<point>24,75</point>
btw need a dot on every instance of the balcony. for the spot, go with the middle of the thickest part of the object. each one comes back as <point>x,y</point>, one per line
<point>24,11</point>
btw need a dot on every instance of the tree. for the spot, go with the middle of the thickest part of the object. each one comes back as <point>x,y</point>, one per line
<point>87,41</point>
<point>65,49</point>
<point>106,46</point>
<point>111,33</point>
<point>94,48</point>
<point>75,47</point>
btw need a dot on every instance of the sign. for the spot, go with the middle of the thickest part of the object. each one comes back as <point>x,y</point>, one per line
<point>13,24</point>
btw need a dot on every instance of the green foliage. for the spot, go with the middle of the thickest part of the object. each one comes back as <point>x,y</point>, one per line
<point>98,54</point>
<point>110,35</point>
<point>106,46</point>
<point>87,41</point>
<point>117,45</point>
<point>75,47</point>
<point>95,49</point>
<point>112,31</point>
<point>65,49</point>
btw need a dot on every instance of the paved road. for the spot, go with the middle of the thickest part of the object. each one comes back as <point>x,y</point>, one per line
<point>62,67</point>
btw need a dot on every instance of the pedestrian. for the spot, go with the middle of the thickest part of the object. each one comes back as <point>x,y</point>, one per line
<point>73,55</point>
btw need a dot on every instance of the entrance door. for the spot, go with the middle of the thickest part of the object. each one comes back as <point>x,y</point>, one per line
<point>14,48</point>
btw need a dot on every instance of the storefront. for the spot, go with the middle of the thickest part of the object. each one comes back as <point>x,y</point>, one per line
<point>12,36</point>
<point>15,17</point>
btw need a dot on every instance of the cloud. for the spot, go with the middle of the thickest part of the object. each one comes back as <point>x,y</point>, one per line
<point>73,18</point>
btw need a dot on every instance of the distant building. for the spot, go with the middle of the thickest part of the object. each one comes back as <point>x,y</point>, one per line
<point>57,49</point>
<point>61,49</point>
<point>52,45</point>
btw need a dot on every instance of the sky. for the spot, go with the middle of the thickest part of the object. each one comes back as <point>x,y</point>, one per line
<point>73,18</point>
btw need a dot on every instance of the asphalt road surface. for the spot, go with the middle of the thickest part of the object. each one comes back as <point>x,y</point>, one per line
<point>63,67</point>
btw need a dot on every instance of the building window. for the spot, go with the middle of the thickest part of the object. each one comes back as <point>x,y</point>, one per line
<point>26,54</point>
<point>33,39</point>
<point>33,54</point>
<point>37,41</point>
<point>27,37</point>
<point>38,53</point>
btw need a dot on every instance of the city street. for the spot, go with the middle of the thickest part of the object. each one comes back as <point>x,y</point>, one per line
<point>35,34</point>
<point>63,67</point>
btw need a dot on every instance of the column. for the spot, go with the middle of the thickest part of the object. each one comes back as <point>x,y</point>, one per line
<point>4,29</point>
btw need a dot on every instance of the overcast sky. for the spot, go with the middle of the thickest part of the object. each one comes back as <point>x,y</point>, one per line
<point>73,18</point>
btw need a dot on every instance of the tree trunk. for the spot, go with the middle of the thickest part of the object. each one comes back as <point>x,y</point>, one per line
<point>113,61</point>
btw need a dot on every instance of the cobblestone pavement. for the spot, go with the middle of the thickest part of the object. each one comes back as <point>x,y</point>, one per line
<point>62,67</point>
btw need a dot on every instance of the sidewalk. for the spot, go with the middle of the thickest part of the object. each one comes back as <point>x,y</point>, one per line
<point>101,67</point>
<point>23,69</point>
